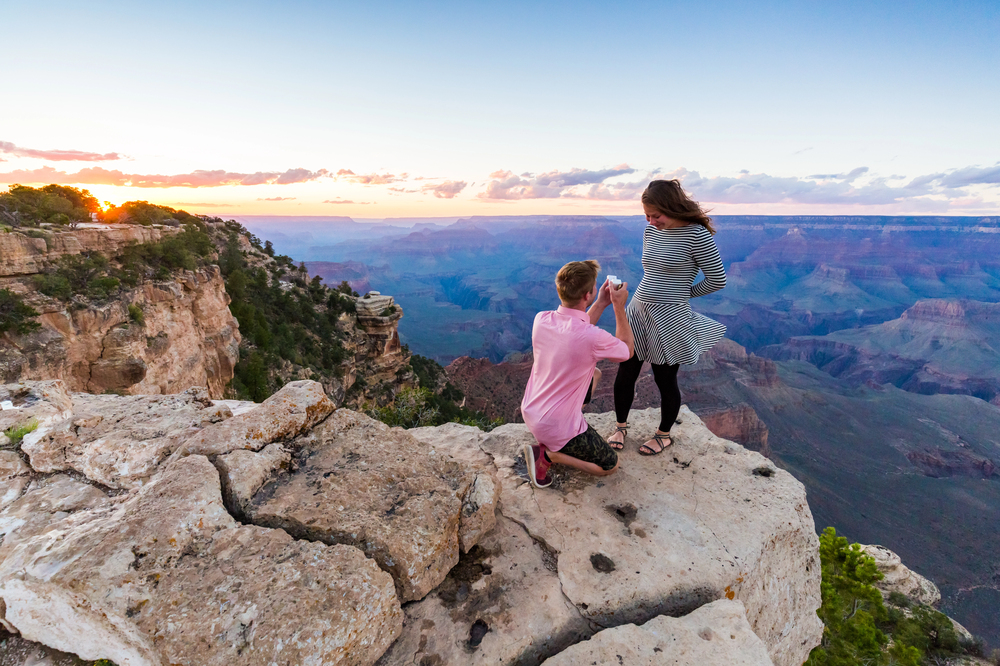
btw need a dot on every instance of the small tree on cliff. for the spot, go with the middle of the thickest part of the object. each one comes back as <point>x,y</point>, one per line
<point>852,609</point>
<point>15,315</point>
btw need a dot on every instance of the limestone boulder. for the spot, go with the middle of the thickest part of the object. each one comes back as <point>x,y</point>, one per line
<point>164,575</point>
<point>288,413</point>
<point>665,535</point>
<point>403,502</point>
<point>463,443</point>
<point>902,579</point>
<point>716,633</point>
<point>121,441</point>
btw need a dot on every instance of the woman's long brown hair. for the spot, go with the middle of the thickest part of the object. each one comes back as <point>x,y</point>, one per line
<point>668,197</point>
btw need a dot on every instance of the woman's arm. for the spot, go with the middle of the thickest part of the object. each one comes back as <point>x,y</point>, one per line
<point>706,257</point>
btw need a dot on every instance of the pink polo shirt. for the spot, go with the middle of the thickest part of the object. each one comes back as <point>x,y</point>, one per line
<point>567,348</point>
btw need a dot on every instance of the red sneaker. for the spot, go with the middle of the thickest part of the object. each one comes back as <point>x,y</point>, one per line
<point>538,466</point>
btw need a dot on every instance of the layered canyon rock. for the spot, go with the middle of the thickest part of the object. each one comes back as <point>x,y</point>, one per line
<point>716,633</point>
<point>185,337</point>
<point>936,346</point>
<point>23,255</point>
<point>151,567</point>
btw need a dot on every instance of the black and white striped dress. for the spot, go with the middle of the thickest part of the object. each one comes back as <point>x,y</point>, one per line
<point>666,330</point>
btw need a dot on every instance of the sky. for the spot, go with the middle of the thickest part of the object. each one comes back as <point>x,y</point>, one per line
<point>377,110</point>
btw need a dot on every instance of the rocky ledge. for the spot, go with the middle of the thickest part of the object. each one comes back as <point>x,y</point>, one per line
<point>175,529</point>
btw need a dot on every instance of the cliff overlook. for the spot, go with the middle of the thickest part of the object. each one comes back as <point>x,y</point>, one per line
<point>295,532</point>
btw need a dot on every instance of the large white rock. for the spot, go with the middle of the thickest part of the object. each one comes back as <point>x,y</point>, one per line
<point>120,441</point>
<point>716,633</point>
<point>662,536</point>
<point>667,534</point>
<point>165,575</point>
<point>902,579</point>
<point>293,410</point>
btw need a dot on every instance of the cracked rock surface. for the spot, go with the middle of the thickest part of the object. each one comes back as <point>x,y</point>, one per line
<point>166,576</point>
<point>357,481</point>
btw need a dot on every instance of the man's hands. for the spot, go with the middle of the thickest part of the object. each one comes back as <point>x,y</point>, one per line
<point>618,295</point>
<point>604,295</point>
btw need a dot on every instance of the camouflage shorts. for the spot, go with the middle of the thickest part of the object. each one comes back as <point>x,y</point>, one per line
<point>590,447</point>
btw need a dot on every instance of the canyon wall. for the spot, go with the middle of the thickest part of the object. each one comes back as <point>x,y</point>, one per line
<point>161,336</point>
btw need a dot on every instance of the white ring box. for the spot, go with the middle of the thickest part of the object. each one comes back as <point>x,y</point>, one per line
<point>613,279</point>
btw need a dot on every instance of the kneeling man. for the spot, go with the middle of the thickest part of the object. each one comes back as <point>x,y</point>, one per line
<point>567,345</point>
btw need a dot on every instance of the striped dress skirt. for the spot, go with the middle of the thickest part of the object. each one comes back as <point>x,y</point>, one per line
<point>671,333</point>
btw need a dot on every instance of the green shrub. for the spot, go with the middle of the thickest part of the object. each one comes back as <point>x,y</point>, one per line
<point>54,285</point>
<point>425,407</point>
<point>410,409</point>
<point>15,314</point>
<point>102,287</point>
<point>136,314</point>
<point>16,433</point>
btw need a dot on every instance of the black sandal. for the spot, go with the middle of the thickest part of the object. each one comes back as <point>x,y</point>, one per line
<point>618,429</point>
<point>659,440</point>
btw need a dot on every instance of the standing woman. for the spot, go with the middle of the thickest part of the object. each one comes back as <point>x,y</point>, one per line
<point>675,244</point>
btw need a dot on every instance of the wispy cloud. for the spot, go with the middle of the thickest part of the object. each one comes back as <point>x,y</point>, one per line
<point>849,177</point>
<point>446,190</point>
<point>956,188</point>
<point>547,185</point>
<point>936,191</point>
<point>191,204</point>
<point>9,148</point>
<point>371,178</point>
<point>338,200</point>
<point>216,178</point>
<point>276,199</point>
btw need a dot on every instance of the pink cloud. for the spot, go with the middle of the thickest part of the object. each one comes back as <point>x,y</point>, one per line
<point>347,201</point>
<point>548,185</point>
<point>57,155</point>
<point>446,190</point>
<point>371,178</point>
<point>199,178</point>
<point>276,199</point>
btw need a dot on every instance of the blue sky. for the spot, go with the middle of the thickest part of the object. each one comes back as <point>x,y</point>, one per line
<point>465,108</point>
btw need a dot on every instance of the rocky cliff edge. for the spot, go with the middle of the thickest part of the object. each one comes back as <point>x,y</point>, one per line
<point>175,529</point>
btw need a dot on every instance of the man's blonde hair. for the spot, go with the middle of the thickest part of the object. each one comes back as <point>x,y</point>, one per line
<point>576,279</point>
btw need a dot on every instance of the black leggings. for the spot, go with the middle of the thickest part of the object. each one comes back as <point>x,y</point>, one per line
<point>666,380</point>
